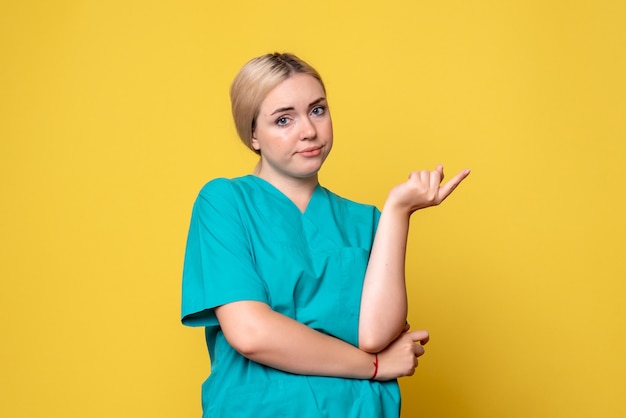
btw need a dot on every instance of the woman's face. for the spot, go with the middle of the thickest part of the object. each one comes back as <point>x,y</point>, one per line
<point>294,132</point>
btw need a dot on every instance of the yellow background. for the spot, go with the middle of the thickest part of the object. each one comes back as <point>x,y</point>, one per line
<point>114,113</point>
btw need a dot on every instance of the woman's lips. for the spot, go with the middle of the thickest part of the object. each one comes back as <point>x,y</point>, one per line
<point>311,152</point>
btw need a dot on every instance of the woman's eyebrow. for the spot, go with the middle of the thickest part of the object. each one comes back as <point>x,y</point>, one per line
<point>282,109</point>
<point>288,108</point>
<point>318,101</point>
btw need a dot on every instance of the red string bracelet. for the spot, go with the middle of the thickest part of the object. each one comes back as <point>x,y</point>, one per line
<point>375,367</point>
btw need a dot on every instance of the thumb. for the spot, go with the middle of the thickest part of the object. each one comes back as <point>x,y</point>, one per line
<point>420,336</point>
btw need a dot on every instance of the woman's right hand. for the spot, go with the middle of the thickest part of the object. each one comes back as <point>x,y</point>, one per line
<point>400,357</point>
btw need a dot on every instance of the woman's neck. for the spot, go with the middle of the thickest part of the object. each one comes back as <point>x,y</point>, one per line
<point>298,190</point>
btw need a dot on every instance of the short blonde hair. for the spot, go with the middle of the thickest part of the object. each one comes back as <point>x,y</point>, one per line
<point>255,80</point>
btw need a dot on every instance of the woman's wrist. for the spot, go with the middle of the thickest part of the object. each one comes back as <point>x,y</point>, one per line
<point>375,362</point>
<point>397,208</point>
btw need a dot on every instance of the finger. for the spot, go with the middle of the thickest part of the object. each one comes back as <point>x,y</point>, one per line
<point>440,170</point>
<point>435,183</point>
<point>419,350</point>
<point>419,335</point>
<point>449,187</point>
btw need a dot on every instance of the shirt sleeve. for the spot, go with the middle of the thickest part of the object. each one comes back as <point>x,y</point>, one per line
<point>219,263</point>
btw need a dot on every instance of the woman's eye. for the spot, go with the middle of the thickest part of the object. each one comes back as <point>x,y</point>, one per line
<point>282,121</point>
<point>319,110</point>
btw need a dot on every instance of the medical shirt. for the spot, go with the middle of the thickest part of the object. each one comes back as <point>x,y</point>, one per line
<point>248,241</point>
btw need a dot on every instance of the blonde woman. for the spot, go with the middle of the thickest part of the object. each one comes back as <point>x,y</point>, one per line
<point>301,292</point>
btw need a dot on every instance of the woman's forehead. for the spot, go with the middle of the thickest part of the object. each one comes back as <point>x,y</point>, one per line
<point>298,90</point>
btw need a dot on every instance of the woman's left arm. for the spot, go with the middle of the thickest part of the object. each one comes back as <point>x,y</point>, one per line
<point>384,299</point>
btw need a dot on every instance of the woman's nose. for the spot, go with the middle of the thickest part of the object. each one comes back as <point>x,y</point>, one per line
<point>307,129</point>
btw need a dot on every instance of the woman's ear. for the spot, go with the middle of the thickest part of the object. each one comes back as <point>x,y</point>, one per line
<point>254,142</point>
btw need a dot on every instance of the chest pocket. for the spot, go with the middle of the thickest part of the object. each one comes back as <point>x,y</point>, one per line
<point>330,300</point>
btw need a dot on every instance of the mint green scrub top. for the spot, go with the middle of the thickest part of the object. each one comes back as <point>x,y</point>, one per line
<point>248,241</point>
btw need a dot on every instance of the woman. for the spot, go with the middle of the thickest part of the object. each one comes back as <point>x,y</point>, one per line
<point>301,292</point>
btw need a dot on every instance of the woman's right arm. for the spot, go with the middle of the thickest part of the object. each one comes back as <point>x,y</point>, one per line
<point>275,340</point>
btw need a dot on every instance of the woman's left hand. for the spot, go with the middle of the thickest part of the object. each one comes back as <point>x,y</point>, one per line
<point>424,189</point>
